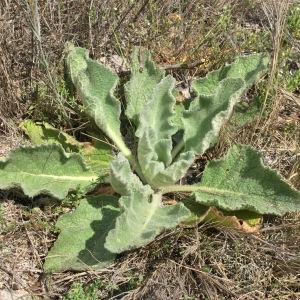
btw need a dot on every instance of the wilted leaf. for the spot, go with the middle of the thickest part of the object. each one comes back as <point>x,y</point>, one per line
<point>218,219</point>
<point>251,218</point>
<point>80,245</point>
<point>245,221</point>
<point>43,133</point>
<point>97,155</point>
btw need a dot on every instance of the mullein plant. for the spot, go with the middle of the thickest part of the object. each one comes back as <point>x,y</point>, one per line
<point>167,138</point>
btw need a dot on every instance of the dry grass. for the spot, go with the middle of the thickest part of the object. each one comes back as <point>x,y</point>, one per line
<point>199,263</point>
<point>278,141</point>
<point>14,68</point>
<point>24,240</point>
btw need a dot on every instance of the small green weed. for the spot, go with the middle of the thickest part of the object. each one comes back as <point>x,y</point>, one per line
<point>253,40</point>
<point>46,106</point>
<point>80,292</point>
<point>293,21</point>
<point>135,281</point>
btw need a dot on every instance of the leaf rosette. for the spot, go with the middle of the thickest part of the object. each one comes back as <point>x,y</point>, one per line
<point>168,137</point>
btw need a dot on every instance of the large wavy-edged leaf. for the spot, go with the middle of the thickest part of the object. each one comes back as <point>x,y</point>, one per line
<point>142,218</point>
<point>45,169</point>
<point>248,68</point>
<point>155,132</point>
<point>155,120</point>
<point>217,93</point>
<point>96,85</point>
<point>158,112</point>
<point>144,77</point>
<point>96,154</point>
<point>122,179</point>
<point>80,244</point>
<point>202,126</point>
<point>240,181</point>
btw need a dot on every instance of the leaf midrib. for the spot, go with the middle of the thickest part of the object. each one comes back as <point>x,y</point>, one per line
<point>219,192</point>
<point>155,205</point>
<point>63,177</point>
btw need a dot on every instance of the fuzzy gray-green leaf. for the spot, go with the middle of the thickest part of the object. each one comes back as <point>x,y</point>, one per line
<point>142,218</point>
<point>248,68</point>
<point>155,132</point>
<point>80,245</point>
<point>240,181</point>
<point>143,215</point>
<point>175,171</point>
<point>122,179</point>
<point>144,77</point>
<point>202,126</point>
<point>154,169</point>
<point>45,169</point>
<point>96,85</point>
<point>158,113</point>
<point>216,96</point>
<point>148,156</point>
